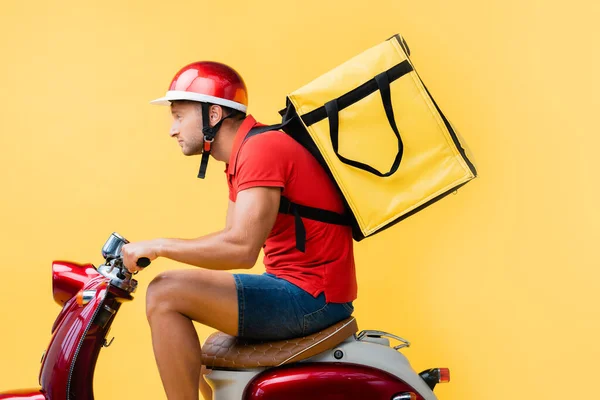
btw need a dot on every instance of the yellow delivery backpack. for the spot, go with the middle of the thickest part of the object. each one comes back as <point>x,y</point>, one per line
<point>375,128</point>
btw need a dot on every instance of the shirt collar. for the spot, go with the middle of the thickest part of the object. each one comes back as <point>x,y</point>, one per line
<point>240,135</point>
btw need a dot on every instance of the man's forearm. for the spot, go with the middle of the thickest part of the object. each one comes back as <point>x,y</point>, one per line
<point>220,251</point>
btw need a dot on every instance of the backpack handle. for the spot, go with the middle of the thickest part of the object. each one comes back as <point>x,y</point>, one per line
<point>332,109</point>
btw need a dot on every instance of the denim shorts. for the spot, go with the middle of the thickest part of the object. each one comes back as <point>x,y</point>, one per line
<point>272,308</point>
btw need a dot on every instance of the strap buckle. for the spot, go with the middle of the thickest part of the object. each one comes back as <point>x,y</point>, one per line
<point>208,143</point>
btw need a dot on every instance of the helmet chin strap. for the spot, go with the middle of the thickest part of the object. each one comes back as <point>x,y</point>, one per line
<point>209,137</point>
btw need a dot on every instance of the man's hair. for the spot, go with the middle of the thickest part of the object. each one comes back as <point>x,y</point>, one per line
<point>227,111</point>
<point>235,114</point>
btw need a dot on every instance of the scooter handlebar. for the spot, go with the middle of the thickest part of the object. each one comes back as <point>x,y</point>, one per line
<point>143,262</point>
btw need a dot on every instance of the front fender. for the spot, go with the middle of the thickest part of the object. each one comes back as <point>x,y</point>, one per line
<point>58,375</point>
<point>23,394</point>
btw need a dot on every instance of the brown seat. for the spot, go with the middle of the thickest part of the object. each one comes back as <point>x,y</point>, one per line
<point>224,351</point>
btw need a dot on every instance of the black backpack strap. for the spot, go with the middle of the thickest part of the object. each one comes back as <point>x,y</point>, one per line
<point>299,211</point>
<point>317,214</point>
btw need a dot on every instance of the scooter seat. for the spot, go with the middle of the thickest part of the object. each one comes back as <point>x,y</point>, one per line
<point>229,352</point>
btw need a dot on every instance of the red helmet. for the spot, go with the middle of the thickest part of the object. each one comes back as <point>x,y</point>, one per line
<point>208,82</point>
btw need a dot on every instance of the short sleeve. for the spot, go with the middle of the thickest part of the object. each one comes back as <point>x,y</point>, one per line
<point>263,161</point>
<point>232,195</point>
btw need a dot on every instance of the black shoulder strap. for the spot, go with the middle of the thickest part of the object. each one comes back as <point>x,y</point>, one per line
<point>299,211</point>
<point>262,129</point>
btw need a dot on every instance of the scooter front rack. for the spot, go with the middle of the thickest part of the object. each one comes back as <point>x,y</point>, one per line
<point>378,334</point>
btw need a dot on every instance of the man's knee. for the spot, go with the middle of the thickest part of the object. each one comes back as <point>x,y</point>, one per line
<point>160,293</point>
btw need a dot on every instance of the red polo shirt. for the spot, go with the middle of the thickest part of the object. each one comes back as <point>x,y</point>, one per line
<point>274,159</point>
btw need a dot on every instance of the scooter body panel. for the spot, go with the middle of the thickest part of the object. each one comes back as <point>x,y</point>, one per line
<point>325,381</point>
<point>23,394</point>
<point>75,341</point>
<point>377,353</point>
<point>352,357</point>
<point>69,278</point>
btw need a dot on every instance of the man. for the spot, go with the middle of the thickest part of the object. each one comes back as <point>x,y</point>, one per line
<point>302,292</point>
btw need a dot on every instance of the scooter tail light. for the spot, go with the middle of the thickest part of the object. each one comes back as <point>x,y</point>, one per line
<point>435,375</point>
<point>444,374</point>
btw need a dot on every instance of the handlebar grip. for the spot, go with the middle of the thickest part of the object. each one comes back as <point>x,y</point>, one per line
<point>143,262</point>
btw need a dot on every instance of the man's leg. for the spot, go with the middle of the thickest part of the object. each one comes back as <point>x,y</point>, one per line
<point>174,299</point>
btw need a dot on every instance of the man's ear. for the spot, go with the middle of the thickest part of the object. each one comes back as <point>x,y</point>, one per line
<point>215,113</point>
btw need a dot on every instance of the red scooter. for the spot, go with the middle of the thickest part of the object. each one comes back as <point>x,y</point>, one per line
<point>334,364</point>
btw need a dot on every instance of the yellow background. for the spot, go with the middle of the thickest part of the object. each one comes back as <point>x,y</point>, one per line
<point>499,283</point>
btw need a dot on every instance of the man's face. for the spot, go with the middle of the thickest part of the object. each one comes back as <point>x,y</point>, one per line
<point>187,127</point>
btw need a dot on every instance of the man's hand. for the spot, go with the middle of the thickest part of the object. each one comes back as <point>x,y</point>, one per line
<point>134,251</point>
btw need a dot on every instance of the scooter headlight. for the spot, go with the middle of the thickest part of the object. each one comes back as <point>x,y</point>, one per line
<point>69,278</point>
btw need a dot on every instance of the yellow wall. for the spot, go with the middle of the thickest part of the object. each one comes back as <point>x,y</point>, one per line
<point>499,283</point>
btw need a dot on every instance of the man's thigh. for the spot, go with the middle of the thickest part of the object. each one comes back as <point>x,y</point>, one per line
<point>208,297</point>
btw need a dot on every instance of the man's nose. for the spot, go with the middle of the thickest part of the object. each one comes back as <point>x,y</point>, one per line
<point>174,130</point>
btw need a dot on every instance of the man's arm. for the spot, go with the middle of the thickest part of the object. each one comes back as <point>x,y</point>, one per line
<point>229,217</point>
<point>249,222</point>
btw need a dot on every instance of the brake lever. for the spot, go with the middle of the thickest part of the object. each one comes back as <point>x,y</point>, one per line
<point>110,263</point>
<point>117,261</point>
<point>121,273</point>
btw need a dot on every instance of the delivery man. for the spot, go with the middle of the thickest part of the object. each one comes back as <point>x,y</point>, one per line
<point>306,287</point>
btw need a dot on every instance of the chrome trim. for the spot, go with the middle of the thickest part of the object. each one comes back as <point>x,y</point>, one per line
<point>364,334</point>
<point>87,296</point>
<point>114,269</point>
<point>110,310</point>
<point>112,247</point>
<point>120,237</point>
<point>404,396</point>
